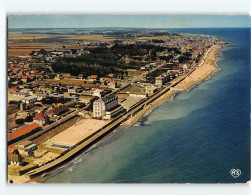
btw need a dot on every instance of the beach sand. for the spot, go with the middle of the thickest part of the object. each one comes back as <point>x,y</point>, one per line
<point>200,74</point>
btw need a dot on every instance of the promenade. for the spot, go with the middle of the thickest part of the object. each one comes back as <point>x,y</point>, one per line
<point>113,124</point>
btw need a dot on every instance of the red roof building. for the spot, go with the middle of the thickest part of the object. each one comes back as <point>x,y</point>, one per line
<point>14,89</point>
<point>58,110</point>
<point>93,76</point>
<point>23,132</point>
<point>41,118</point>
<point>177,68</point>
<point>15,70</point>
<point>12,149</point>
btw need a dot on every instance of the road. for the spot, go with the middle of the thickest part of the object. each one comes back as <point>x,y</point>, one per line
<point>51,126</point>
<point>92,138</point>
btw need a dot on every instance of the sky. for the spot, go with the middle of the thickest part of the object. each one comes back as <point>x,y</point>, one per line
<point>141,21</point>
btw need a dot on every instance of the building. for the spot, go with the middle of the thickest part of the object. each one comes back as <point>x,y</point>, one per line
<point>98,93</point>
<point>21,94</point>
<point>41,118</point>
<point>12,149</point>
<point>48,90</point>
<point>73,90</point>
<point>138,94</point>
<point>112,84</point>
<point>58,110</point>
<point>161,80</point>
<point>151,90</point>
<point>41,96</point>
<point>110,114</point>
<point>15,159</point>
<point>25,79</point>
<point>23,132</point>
<point>92,77</point>
<point>26,148</point>
<point>104,104</point>
<point>29,100</point>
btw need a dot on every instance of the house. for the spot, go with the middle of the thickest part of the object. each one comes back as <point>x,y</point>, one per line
<point>21,94</point>
<point>41,96</point>
<point>185,66</point>
<point>15,159</point>
<point>178,68</point>
<point>161,80</point>
<point>15,70</point>
<point>80,76</point>
<point>26,148</point>
<point>98,93</point>
<point>57,110</point>
<point>151,89</point>
<point>92,77</point>
<point>14,90</point>
<point>173,73</point>
<point>27,66</point>
<point>12,149</point>
<point>104,104</point>
<point>58,77</point>
<point>48,90</point>
<point>25,79</point>
<point>112,84</point>
<point>41,118</point>
<point>74,90</point>
<point>111,75</point>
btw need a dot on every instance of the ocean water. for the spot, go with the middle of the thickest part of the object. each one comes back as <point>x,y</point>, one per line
<point>197,137</point>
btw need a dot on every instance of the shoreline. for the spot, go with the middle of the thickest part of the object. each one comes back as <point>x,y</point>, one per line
<point>208,67</point>
<point>187,84</point>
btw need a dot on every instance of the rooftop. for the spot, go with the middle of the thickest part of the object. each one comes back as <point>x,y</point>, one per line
<point>22,131</point>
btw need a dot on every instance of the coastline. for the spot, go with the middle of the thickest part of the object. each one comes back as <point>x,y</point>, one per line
<point>208,68</point>
<point>202,73</point>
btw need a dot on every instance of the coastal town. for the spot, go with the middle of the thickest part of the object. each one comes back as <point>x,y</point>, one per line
<point>68,90</point>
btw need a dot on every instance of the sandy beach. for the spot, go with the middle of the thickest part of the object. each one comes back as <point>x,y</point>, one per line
<point>201,73</point>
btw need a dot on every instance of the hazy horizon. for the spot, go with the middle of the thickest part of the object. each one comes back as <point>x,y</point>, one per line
<point>128,21</point>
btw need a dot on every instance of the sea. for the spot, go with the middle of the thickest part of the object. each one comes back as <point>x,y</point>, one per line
<point>197,137</point>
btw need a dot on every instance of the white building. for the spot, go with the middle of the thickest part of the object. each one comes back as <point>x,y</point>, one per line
<point>21,94</point>
<point>151,89</point>
<point>104,104</point>
<point>74,90</point>
<point>160,80</point>
<point>41,96</point>
<point>30,99</point>
<point>98,93</point>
